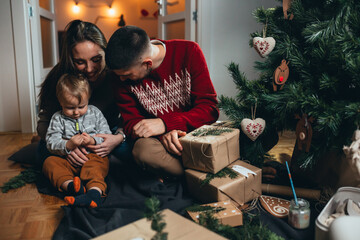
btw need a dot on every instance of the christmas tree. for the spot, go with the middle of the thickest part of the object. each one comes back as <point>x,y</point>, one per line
<point>320,43</point>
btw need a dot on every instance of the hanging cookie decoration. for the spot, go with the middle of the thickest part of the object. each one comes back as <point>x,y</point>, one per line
<point>281,74</point>
<point>264,45</point>
<point>304,132</point>
<point>253,127</point>
<point>286,7</point>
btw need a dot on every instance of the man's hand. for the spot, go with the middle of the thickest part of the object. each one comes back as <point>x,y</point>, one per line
<point>171,141</point>
<point>149,127</point>
<point>77,157</point>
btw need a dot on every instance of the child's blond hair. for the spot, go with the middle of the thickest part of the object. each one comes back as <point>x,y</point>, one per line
<point>75,85</point>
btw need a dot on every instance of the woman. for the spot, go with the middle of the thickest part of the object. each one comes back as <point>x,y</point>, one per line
<point>83,52</point>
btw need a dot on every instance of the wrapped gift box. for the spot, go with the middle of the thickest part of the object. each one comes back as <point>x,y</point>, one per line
<point>231,215</point>
<point>245,187</point>
<point>210,153</point>
<point>177,228</point>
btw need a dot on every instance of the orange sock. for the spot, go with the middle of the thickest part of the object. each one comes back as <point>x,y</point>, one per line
<point>91,199</point>
<point>75,188</point>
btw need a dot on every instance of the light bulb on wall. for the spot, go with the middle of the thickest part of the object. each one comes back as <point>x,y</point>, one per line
<point>76,8</point>
<point>111,11</point>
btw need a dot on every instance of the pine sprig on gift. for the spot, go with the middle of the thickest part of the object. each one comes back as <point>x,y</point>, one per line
<point>199,208</point>
<point>226,172</point>
<point>152,213</point>
<point>252,229</point>
<point>210,131</point>
<point>29,175</point>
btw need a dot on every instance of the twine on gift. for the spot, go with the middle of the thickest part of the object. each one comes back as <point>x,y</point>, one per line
<point>253,205</point>
<point>218,131</point>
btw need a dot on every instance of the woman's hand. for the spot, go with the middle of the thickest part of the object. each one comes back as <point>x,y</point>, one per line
<point>110,142</point>
<point>171,141</point>
<point>77,157</point>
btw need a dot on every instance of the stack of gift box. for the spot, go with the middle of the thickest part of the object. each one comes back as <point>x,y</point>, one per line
<point>215,176</point>
<point>214,172</point>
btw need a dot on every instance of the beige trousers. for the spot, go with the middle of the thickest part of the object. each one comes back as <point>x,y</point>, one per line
<point>150,153</point>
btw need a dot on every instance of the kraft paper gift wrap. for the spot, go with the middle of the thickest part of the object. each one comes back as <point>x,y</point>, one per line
<point>209,153</point>
<point>177,227</point>
<point>231,215</point>
<point>240,190</point>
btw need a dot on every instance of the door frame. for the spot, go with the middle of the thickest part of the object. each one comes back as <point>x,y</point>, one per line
<point>24,64</point>
<point>187,15</point>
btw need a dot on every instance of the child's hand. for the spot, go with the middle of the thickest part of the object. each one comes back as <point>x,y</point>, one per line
<point>74,142</point>
<point>87,139</point>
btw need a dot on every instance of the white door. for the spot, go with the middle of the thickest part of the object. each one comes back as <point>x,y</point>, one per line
<point>44,40</point>
<point>177,19</point>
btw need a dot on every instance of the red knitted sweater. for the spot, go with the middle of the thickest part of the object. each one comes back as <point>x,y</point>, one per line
<point>179,91</point>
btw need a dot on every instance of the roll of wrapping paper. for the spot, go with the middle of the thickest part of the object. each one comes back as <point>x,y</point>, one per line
<point>287,191</point>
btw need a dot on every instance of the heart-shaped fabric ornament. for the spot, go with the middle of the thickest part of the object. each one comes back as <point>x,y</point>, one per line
<point>253,128</point>
<point>264,46</point>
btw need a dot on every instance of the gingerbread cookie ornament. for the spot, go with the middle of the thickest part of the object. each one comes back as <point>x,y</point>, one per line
<point>281,75</point>
<point>286,7</point>
<point>304,132</point>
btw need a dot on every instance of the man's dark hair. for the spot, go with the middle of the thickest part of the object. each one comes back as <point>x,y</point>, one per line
<point>125,47</point>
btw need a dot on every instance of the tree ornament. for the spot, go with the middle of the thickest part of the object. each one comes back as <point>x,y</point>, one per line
<point>286,6</point>
<point>304,132</point>
<point>281,74</point>
<point>352,153</point>
<point>253,127</point>
<point>264,45</point>
<point>350,166</point>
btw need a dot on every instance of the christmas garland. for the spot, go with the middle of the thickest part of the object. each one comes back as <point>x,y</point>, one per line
<point>29,175</point>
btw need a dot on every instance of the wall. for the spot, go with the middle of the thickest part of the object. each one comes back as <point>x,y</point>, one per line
<point>224,29</point>
<point>100,15</point>
<point>224,36</point>
<point>9,103</point>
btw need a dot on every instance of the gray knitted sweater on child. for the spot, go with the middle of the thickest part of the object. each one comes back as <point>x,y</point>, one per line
<point>62,128</point>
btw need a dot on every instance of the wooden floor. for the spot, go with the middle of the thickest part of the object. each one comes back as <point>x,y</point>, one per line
<point>24,213</point>
<point>27,214</point>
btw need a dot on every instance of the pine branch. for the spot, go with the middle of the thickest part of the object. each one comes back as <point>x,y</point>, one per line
<point>200,208</point>
<point>152,208</point>
<point>252,229</point>
<point>215,131</point>
<point>226,172</point>
<point>29,175</point>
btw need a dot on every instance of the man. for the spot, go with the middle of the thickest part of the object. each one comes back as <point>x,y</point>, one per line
<point>164,92</point>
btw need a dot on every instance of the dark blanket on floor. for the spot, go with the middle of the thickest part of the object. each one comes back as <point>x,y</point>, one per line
<point>128,187</point>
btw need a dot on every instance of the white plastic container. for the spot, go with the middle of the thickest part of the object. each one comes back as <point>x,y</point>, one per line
<point>321,230</point>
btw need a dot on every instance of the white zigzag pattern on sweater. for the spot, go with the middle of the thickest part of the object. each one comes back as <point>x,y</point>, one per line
<point>156,98</point>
